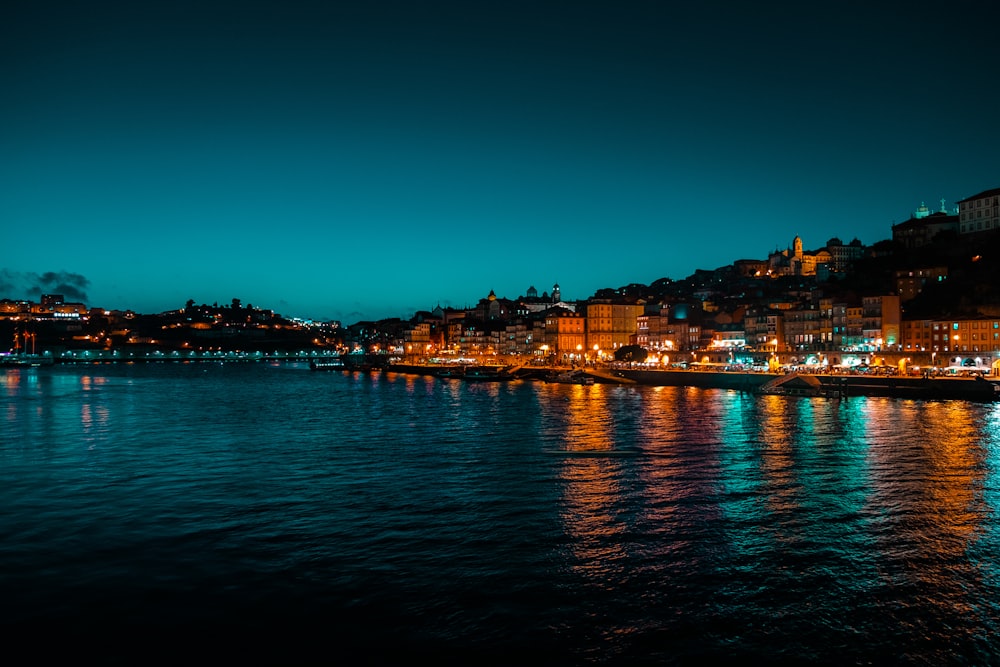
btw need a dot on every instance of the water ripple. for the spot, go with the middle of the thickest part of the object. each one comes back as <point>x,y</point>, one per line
<point>496,523</point>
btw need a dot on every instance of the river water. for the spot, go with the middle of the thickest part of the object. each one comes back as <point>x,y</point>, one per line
<point>269,513</point>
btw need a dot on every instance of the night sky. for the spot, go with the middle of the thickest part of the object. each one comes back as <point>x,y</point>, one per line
<point>360,160</point>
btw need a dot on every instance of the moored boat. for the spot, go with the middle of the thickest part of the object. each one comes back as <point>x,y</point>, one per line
<point>25,360</point>
<point>334,365</point>
<point>487,373</point>
<point>570,377</point>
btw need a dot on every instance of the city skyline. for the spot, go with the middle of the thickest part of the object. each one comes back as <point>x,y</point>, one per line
<point>344,162</point>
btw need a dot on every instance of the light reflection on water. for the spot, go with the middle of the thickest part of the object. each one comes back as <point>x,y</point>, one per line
<point>592,523</point>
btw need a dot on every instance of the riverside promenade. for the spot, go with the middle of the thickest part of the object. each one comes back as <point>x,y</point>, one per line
<point>794,383</point>
<point>834,385</point>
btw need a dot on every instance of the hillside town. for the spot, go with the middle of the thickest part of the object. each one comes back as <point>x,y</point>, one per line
<point>930,290</point>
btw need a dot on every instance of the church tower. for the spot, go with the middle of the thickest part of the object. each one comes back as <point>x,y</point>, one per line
<point>556,297</point>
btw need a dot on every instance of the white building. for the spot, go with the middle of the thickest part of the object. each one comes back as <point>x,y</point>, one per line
<point>979,213</point>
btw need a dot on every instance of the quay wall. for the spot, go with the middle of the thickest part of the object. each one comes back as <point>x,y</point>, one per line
<point>705,379</point>
<point>961,388</point>
<point>912,387</point>
<point>837,384</point>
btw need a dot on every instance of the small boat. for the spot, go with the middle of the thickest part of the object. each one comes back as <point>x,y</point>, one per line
<point>335,365</point>
<point>487,373</point>
<point>450,372</point>
<point>25,360</point>
<point>570,377</point>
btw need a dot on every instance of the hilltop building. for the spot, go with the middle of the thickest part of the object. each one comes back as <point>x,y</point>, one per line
<point>533,303</point>
<point>924,226</point>
<point>980,213</point>
<point>842,255</point>
<point>794,261</point>
<point>493,308</point>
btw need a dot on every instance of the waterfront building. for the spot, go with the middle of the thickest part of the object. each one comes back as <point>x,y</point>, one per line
<point>980,213</point>
<point>540,339</point>
<point>728,337</point>
<point>519,337</point>
<point>825,328</point>
<point>497,340</point>
<point>450,322</point>
<point>565,333</point>
<point>671,328</point>
<point>915,335</point>
<point>881,318</point>
<point>473,340</point>
<point>417,339</point>
<point>612,323</point>
<point>765,329</point>
<point>854,326</point>
<point>642,331</point>
<point>681,335</point>
<point>802,328</point>
<point>975,335</point>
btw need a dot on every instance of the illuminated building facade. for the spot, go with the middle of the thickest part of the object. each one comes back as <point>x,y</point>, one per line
<point>795,261</point>
<point>916,335</point>
<point>802,329</point>
<point>565,332</point>
<point>966,335</point>
<point>613,324</point>
<point>881,325</point>
<point>765,329</point>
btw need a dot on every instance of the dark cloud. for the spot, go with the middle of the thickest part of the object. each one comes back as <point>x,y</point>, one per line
<point>7,283</point>
<point>72,286</point>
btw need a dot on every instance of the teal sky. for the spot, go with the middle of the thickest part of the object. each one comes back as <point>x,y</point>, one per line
<point>362,160</point>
